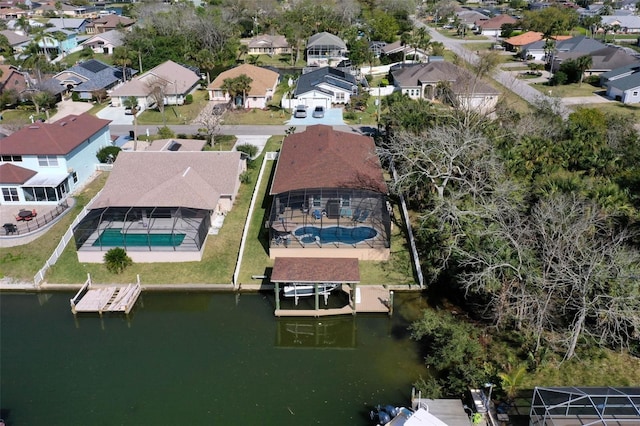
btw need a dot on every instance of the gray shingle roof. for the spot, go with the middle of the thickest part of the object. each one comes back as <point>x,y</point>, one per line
<point>579,44</point>
<point>326,39</point>
<point>463,83</point>
<point>625,83</point>
<point>328,75</point>
<point>98,75</point>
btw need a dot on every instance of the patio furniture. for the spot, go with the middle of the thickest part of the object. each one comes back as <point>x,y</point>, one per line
<point>363,216</point>
<point>317,214</point>
<point>25,215</point>
<point>356,215</point>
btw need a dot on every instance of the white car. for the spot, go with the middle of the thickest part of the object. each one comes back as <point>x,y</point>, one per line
<point>300,112</point>
<point>318,112</point>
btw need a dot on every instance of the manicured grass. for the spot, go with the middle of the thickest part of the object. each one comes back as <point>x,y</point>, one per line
<point>23,262</point>
<point>176,114</point>
<point>478,46</point>
<point>567,90</point>
<point>633,111</point>
<point>278,61</point>
<point>256,117</point>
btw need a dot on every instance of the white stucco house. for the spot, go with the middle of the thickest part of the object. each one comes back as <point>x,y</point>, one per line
<point>263,86</point>
<point>623,84</point>
<point>323,87</point>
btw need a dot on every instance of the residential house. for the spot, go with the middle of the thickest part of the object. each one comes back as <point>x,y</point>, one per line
<point>541,49</point>
<point>516,43</point>
<point>48,8</point>
<point>325,49</point>
<point>43,162</point>
<point>579,46</point>
<point>470,18</point>
<point>323,87</point>
<point>77,25</point>
<point>12,79</point>
<point>493,27</point>
<point>629,24</point>
<point>623,84</point>
<point>416,54</point>
<point>426,81</point>
<point>173,199</point>
<point>109,23</point>
<point>90,76</point>
<point>602,60</point>
<point>329,198</point>
<point>12,13</point>
<point>263,86</point>
<point>174,81</point>
<point>17,41</point>
<point>375,47</point>
<point>105,42</point>
<point>58,41</point>
<point>590,10</point>
<point>268,45</point>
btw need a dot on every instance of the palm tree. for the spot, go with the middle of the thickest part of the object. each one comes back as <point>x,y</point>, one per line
<point>23,23</point>
<point>512,380</point>
<point>122,57</point>
<point>243,84</point>
<point>420,40</point>
<point>58,7</point>
<point>131,102</point>
<point>583,63</point>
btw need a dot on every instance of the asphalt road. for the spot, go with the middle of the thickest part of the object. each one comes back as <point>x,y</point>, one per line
<point>119,129</point>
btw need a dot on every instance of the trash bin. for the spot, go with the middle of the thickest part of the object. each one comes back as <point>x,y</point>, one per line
<point>132,135</point>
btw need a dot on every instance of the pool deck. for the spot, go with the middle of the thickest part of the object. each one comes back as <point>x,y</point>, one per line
<point>371,299</point>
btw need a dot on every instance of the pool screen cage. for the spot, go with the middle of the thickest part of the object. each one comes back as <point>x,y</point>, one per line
<point>141,228</point>
<point>585,406</point>
<point>329,207</point>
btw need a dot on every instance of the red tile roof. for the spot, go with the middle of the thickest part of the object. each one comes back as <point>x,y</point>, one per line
<point>14,175</point>
<point>315,270</point>
<point>59,138</point>
<point>321,157</point>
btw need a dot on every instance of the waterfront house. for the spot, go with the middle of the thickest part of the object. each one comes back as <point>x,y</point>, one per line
<point>263,86</point>
<point>267,44</point>
<point>329,197</point>
<point>43,162</point>
<point>161,205</point>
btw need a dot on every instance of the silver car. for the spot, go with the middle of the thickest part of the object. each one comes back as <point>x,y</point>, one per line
<point>300,112</point>
<point>318,112</point>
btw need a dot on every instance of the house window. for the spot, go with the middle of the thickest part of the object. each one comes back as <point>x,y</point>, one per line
<point>635,93</point>
<point>12,158</point>
<point>340,96</point>
<point>47,161</point>
<point>10,194</point>
<point>346,201</point>
<point>317,201</point>
<point>74,175</point>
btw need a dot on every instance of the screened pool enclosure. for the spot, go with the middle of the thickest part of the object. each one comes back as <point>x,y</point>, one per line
<point>329,218</point>
<point>585,406</point>
<point>157,229</point>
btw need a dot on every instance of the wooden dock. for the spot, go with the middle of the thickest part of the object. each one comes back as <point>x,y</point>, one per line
<point>368,299</point>
<point>105,299</point>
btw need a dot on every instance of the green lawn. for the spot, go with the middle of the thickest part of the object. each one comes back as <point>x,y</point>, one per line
<point>176,114</point>
<point>256,116</point>
<point>567,90</point>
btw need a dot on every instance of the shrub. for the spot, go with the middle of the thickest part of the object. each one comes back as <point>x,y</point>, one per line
<point>116,260</point>
<point>350,115</point>
<point>165,132</point>
<point>250,150</point>
<point>108,154</point>
<point>245,177</point>
<point>75,96</point>
<point>182,136</point>
<point>188,99</point>
<point>558,79</point>
<point>384,82</point>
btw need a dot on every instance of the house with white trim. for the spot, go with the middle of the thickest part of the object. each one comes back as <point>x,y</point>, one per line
<point>623,84</point>
<point>263,86</point>
<point>323,87</point>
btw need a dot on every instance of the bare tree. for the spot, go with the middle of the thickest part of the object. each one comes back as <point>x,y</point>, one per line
<point>157,88</point>
<point>210,124</point>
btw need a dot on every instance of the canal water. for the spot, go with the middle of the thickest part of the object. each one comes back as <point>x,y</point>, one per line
<point>200,359</point>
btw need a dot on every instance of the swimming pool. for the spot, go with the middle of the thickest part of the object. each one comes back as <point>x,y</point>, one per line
<point>113,237</point>
<point>335,234</point>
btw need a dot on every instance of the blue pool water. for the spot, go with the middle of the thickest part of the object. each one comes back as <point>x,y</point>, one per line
<point>335,234</point>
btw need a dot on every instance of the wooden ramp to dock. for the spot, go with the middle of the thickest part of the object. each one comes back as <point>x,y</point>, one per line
<point>368,299</point>
<point>105,299</point>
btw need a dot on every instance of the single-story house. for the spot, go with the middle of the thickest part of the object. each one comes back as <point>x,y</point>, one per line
<point>160,206</point>
<point>263,86</point>
<point>325,49</point>
<point>329,198</point>
<point>469,18</point>
<point>268,45</point>
<point>43,162</point>
<point>623,84</point>
<point>323,87</point>
<point>425,81</point>
<point>493,27</point>
<point>76,25</point>
<point>17,41</point>
<point>602,60</point>
<point>109,23</point>
<point>89,76</point>
<point>174,80</point>
<point>105,42</point>
<point>629,24</point>
<point>406,50</point>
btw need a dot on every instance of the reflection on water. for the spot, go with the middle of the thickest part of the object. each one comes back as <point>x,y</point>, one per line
<point>197,359</point>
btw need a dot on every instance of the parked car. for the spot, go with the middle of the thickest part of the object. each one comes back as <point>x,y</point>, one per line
<point>300,112</point>
<point>318,112</point>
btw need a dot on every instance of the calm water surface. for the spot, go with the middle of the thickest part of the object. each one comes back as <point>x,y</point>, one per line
<point>199,359</point>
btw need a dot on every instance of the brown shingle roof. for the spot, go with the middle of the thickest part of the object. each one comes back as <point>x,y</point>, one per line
<point>59,138</point>
<point>170,179</point>
<point>315,270</point>
<point>262,78</point>
<point>321,157</point>
<point>496,22</point>
<point>14,175</point>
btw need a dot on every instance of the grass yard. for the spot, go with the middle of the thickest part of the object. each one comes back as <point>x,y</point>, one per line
<point>23,262</point>
<point>567,90</point>
<point>176,114</point>
<point>256,116</point>
<point>633,111</point>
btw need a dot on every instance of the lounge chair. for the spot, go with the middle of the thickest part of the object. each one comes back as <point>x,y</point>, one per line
<point>317,214</point>
<point>356,215</point>
<point>363,216</point>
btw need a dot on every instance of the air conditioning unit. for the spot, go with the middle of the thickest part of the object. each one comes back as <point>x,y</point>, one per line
<point>70,170</point>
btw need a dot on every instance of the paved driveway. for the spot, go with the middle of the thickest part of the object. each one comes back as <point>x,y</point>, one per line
<point>332,117</point>
<point>116,115</point>
<point>70,108</point>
